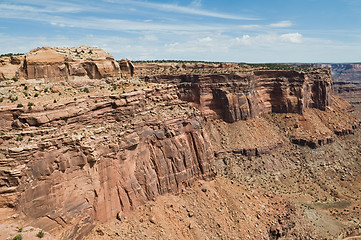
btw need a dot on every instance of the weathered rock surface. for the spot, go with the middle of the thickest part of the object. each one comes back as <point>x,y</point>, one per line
<point>240,96</point>
<point>71,178</point>
<point>61,64</point>
<point>68,165</point>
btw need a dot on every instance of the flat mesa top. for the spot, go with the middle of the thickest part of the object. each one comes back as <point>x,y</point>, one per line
<point>52,54</point>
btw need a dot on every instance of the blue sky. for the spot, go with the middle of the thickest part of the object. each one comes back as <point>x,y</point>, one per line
<point>236,30</point>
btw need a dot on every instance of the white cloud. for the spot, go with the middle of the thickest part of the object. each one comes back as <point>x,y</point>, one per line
<point>282,24</point>
<point>219,47</point>
<point>205,40</point>
<point>269,39</point>
<point>244,40</point>
<point>292,37</point>
<point>116,24</point>
<point>181,9</point>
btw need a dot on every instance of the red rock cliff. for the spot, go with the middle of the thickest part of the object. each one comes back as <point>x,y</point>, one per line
<point>97,160</point>
<point>240,96</point>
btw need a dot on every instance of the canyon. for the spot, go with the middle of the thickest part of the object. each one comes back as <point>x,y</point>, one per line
<point>92,148</point>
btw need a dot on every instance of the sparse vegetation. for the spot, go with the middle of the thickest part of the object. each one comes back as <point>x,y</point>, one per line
<point>20,105</point>
<point>13,99</point>
<point>40,234</point>
<point>18,237</point>
<point>19,138</point>
<point>10,54</point>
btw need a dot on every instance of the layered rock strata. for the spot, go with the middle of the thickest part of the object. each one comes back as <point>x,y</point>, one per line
<point>241,96</point>
<point>94,159</point>
<point>68,166</point>
<point>62,64</point>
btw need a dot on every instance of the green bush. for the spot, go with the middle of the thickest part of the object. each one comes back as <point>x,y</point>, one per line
<point>20,105</point>
<point>15,79</point>
<point>19,138</point>
<point>18,237</point>
<point>36,95</point>
<point>40,234</point>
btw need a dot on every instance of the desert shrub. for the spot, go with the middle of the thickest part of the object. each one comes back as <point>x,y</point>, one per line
<point>15,79</point>
<point>18,237</point>
<point>20,105</point>
<point>36,95</point>
<point>40,234</point>
<point>86,90</point>
<point>19,138</point>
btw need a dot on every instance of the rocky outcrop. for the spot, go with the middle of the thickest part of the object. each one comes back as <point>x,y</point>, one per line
<point>62,64</point>
<point>240,96</point>
<point>87,162</point>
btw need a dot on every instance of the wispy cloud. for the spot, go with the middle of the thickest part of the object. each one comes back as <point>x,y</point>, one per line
<point>113,24</point>
<point>281,24</point>
<point>27,8</point>
<point>50,6</point>
<point>192,10</point>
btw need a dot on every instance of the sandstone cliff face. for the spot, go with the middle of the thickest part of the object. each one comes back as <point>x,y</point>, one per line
<point>61,64</point>
<point>76,162</point>
<point>240,96</point>
<point>93,161</point>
